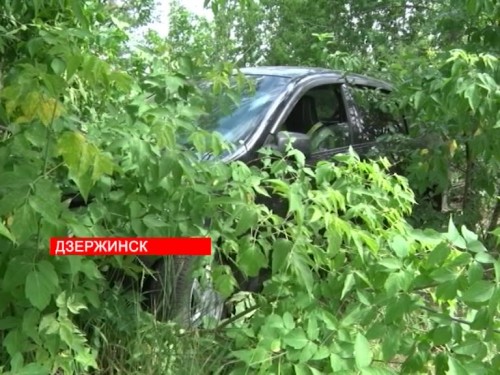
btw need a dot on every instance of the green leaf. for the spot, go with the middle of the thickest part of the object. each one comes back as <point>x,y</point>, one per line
<point>391,263</point>
<point>6,233</point>
<point>296,338</point>
<point>475,273</point>
<point>322,353</point>
<point>57,66</point>
<point>442,335</point>
<point>89,268</point>
<point>78,12</point>
<point>485,258</point>
<point>377,371</point>
<point>252,356</point>
<point>302,271</point>
<point>397,308</point>
<point>288,321</point>
<point>312,328</point>
<point>224,281</point>
<point>307,352</point>
<point>84,183</point>
<point>74,305</point>
<point>456,367</point>
<point>67,334</point>
<point>14,341</point>
<point>17,179</point>
<point>24,223</point>
<point>48,110</point>
<point>468,235</point>
<point>496,233</point>
<point>76,152</point>
<point>398,281</point>
<point>247,220</point>
<point>16,362</point>
<point>476,246</point>
<point>362,352</point>
<point>481,321</point>
<point>151,221</point>
<point>417,99</point>
<point>295,200</point>
<point>103,165</point>
<point>301,369</point>
<point>73,63</point>
<point>49,324</point>
<point>280,253</point>
<point>299,157</point>
<point>13,198</point>
<point>447,290</point>
<point>274,321</point>
<point>391,344</point>
<point>49,272</point>
<point>31,319</point>
<point>348,284</point>
<point>443,275</point>
<point>438,255</point>
<point>33,369</point>
<point>400,246</point>
<point>47,201</point>
<point>339,364</point>
<point>41,284</point>
<point>173,83</point>
<point>120,24</point>
<point>86,358</point>
<point>16,273</point>
<point>79,156</point>
<point>460,261</point>
<point>480,291</point>
<point>275,345</point>
<point>454,236</point>
<point>496,266</point>
<point>251,259</point>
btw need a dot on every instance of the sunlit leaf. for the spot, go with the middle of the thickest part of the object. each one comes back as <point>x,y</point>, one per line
<point>362,352</point>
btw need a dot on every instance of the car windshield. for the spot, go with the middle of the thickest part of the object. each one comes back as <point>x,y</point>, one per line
<point>235,114</point>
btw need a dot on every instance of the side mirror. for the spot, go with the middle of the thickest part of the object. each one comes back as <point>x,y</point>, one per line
<point>299,141</point>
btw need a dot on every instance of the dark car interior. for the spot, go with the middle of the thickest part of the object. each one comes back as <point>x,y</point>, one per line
<point>320,114</point>
<point>303,116</point>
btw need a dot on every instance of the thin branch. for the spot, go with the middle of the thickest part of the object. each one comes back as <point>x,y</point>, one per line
<point>452,318</point>
<point>236,317</point>
<point>226,322</point>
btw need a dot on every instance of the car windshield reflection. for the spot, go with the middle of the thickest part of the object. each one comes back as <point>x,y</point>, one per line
<point>236,114</point>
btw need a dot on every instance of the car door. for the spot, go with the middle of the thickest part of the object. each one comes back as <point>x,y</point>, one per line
<point>372,121</point>
<point>320,112</point>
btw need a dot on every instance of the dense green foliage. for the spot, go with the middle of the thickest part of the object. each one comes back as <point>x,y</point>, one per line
<point>363,280</point>
<point>442,55</point>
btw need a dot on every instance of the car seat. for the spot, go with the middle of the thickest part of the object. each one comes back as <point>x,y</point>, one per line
<point>303,116</point>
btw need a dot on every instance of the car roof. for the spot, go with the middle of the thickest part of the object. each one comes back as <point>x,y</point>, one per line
<point>302,71</point>
<point>284,71</point>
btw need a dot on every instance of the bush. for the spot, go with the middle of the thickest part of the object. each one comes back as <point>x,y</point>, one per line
<point>352,286</point>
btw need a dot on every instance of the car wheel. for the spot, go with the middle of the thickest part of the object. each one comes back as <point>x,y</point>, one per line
<point>178,296</point>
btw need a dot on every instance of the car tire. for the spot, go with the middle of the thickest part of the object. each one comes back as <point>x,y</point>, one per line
<point>175,295</point>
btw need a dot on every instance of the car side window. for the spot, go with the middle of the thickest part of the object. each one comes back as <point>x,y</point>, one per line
<point>320,113</point>
<point>375,118</point>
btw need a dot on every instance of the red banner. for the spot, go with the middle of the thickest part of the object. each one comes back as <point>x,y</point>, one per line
<point>94,246</point>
